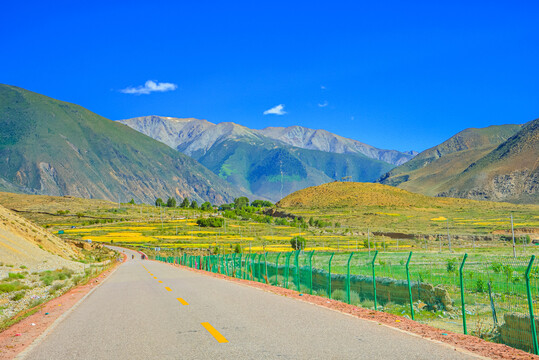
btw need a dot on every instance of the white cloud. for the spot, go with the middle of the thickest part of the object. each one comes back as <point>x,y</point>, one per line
<point>276,110</point>
<point>149,87</point>
<point>324,104</point>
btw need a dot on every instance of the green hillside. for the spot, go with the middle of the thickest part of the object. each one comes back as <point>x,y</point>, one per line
<point>52,147</point>
<point>270,169</point>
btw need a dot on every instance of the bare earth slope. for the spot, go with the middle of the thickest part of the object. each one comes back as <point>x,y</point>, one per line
<point>24,244</point>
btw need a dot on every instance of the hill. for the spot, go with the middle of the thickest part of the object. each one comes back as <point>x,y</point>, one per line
<point>253,162</point>
<point>56,148</point>
<point>350,195</point>
<point>434,171</point>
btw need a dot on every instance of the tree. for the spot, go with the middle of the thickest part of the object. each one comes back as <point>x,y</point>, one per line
<point>132,202</point>
<point>185,203</point>
<point>206,206</point>
<point>261,203</point>
<point>194,204</point>
<point>159,202</point>
<point>298,243</point>
<point>237,249</point>
<point>171,202</point>
<point>241,202</point>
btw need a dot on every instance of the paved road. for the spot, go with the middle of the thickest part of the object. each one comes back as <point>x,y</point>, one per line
<point>135,315</point>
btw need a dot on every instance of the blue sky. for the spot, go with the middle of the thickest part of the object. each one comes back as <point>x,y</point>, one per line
<point>394,74</point>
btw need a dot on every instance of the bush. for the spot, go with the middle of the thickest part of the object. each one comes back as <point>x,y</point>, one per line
<point>14,276</point>
<point>210,222</point>
<point>48,277</point>
<point>18,296</point>
<point>237,249</point>
<point>12,286</point>
<point>298,243</point>
<point>451,265</point>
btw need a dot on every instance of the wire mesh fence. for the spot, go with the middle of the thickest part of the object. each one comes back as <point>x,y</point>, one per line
<point>492,297</point>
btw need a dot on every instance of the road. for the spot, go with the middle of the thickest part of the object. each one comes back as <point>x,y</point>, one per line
<point>150,310</point>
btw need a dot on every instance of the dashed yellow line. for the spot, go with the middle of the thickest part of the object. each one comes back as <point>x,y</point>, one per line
<point>216,334</point>
<point>160,282</point>
<point>167,288</point>
<point>182,301</point>
<point>155,277</point>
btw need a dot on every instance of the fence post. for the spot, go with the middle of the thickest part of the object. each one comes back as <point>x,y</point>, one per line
<point>241,273</point>
<point>348,278</point>
<point>311,271</point>
<point>277,268</point>
<point>296,264</point>
<point>461,270</point>
<point>374,277</point>
<point>410,285</point>
<point>530,306</point>
<point>329,275</point>
<point>288,256</point>
<point>266,267</point>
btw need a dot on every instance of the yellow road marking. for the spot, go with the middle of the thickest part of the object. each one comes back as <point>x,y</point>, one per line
<point>160,282</point>
<point>182,301</point>
<point>167,288</point>
<point>216,334</point>
<point>155,277</point>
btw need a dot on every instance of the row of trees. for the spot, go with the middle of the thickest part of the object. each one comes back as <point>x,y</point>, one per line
<point>185,204</point>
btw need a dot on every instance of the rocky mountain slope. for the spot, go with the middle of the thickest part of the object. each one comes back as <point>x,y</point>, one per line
<point>508,173</point>
<point>255,163</point>
<point>52,147</point>
<point>483,164</point>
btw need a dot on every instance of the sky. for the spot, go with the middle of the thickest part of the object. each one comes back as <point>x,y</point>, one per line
<point>402,75</point>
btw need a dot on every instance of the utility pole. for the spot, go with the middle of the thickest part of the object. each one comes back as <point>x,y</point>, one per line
<point>369,241</point>
<point>513,231</point>
<point>448,237</point>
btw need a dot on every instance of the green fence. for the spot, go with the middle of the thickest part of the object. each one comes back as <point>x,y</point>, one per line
<point>492,297</point>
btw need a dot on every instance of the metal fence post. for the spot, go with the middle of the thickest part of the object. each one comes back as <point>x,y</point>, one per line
<point>374,278</point>
<point>410,285</point>
<point>461,270</point>
<point>266,267</point>
<point>296,264</point>
<point>329,275</point>
<point>311,272</point>
<point>234,265</point>
<point>530,306</point>
<point>348,278</point>
<point>240,274</point>
<point>277,268</point>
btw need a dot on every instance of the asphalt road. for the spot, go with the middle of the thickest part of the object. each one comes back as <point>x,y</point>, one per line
<point>140,312</point>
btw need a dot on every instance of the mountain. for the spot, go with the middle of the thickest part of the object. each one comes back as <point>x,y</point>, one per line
<point>325,141</point>
<point>508,173</point>
<point>193,137</point>
<point>448,169</point>
<point>256,163</point>
<point>51,147</point>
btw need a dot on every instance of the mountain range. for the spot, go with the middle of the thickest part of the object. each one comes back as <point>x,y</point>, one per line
<point>272,162</point>
<point>52,147</point>
<point>498,163</point>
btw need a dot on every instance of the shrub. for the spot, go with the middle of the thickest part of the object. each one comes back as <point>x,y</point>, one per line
<point>480,285</point>
<point>237,249</point>
<point>339,295</point>
<point>14,276</point>
<point>48,277</point>
<point>451,265</point>
<point>210,222</point>
<point>18,295</point>
<point>12,286</point>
